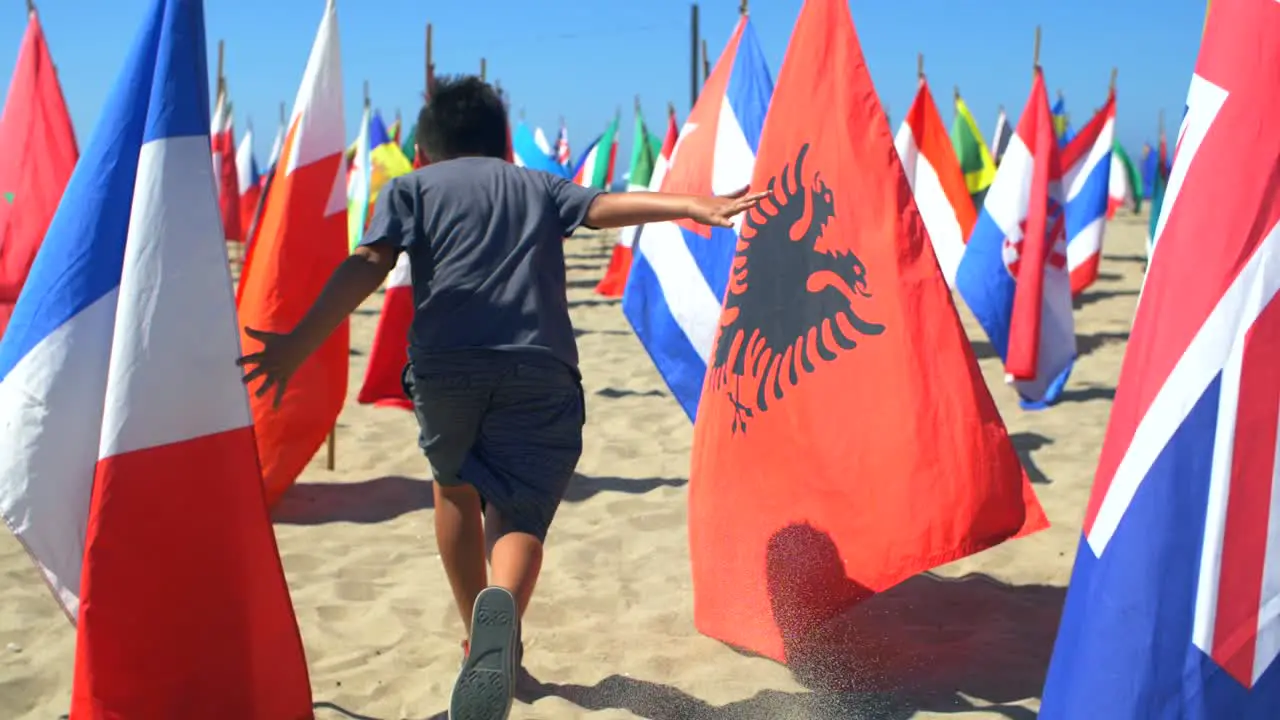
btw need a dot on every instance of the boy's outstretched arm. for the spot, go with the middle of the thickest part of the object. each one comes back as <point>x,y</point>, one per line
<point>637,208</point>
<point>355,279</point>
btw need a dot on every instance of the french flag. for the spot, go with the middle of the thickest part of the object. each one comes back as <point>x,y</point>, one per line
<point>1014,274</point>
<point>127,461</point>
<point>1173,610</point>
<point>1086,179</point>
<point>680,270</point>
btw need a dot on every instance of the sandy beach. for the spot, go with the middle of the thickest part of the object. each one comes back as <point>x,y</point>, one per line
<point>610,633</point>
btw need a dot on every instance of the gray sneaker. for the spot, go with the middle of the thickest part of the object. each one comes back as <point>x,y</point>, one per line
<point>486,683</point>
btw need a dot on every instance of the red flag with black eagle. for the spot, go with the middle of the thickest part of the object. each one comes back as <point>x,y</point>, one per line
<point>845,439</point>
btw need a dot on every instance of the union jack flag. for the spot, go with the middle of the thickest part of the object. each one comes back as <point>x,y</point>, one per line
<point>1174,605</point>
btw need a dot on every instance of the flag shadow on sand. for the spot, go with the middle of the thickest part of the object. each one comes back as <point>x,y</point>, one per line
<point>369,502</point>
<point>926,645</point>
<point>366,502</point>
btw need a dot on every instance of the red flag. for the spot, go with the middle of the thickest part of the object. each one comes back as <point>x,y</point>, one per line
<point>389,352</point>
<point>614,282</point>
<point>1023,361</point>
<point>845,440</point>
<point>302,239</point>
<point>37,154</point>
<point>223,141</point>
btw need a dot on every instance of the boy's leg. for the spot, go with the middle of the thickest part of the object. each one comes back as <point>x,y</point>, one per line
<point>516,557</point>
<point>449,401</point>
<point>460,540</point>
<point>529,445</point>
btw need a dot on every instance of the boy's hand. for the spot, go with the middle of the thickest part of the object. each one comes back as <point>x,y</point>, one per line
<point>720,211</point>
<point>275,363</point>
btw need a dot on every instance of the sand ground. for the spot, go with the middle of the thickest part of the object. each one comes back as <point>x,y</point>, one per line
<point>610,633</point>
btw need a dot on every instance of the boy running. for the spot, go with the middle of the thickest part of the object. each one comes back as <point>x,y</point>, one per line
<point>493,363</point>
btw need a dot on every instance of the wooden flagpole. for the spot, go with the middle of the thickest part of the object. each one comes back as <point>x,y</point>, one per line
<point>693,54</point>
<point>1035,54</point>
<point>431,66</point>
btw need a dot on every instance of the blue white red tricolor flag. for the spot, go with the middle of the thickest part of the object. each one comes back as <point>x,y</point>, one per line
<point>1173,610</point>
<point>127,459</point>
<point>680,271</point>
<point>1086,180</point>
<point>1014,274</point>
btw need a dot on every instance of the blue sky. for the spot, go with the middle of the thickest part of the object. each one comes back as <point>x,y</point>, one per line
<point>584,59</point>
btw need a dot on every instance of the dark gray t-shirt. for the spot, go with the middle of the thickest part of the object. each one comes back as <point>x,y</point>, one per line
<point>486,248</point>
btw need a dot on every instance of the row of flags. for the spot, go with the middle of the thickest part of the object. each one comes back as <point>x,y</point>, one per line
<point>1180,532</point>
<point>129,437</point>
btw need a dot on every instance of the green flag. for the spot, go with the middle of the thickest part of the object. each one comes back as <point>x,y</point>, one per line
<point>1131,175</point>
<point>975,159</point>
<point>642,156</point>
<point>409,141</point>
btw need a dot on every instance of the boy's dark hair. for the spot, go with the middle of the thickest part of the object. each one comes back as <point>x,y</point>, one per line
<point>464,116</point>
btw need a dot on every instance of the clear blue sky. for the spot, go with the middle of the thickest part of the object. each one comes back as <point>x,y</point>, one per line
<point>583,59</point>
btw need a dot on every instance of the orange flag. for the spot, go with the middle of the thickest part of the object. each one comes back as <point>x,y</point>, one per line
<point>302,239</point>
<point>936,180</point>
<point>845,439</point>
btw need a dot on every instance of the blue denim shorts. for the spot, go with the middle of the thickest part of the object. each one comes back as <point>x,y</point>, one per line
<point>508,423</point>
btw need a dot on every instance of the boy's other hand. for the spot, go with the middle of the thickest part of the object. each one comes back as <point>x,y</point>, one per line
<point>720,211</point>
<point>275,363</point>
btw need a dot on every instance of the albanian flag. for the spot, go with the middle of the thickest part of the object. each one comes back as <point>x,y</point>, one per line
<point>845,439</point>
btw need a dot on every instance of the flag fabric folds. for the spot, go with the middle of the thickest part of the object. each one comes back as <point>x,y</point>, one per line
<point>820,473</point>
<point>681,270</point>
<point>127,461</point>
<point>1086,181</point>
<point>223,141</point>
<point>595,167</point>
<point>1124,183</point>
<point>386,160</point>
<point>1014,272</point>
<point>1171,609</point>
<point>251,230</point>
<point>301,241</point>
<point>936,180</point>
<point>383,376</point>
<point>249,181</point>
<point>527,153</point>
<point>1001,137</point>
<point>1062,121</point>
<point>39,153</point>
<point>645,149</point>
<point>1159,179</point>
<point>359,181</point>
<point>562,152</point>
<point>975,159</point>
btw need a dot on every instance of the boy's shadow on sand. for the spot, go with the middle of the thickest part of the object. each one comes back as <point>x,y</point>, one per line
<point>921,646</point>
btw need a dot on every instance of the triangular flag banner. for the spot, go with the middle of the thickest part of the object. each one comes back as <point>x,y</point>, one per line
<point>827,463</point>
<point>936,180</point>
<point>37,157</point>
<point>301,242</point>
<point>127,465</point>
<point>1172,608</point>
